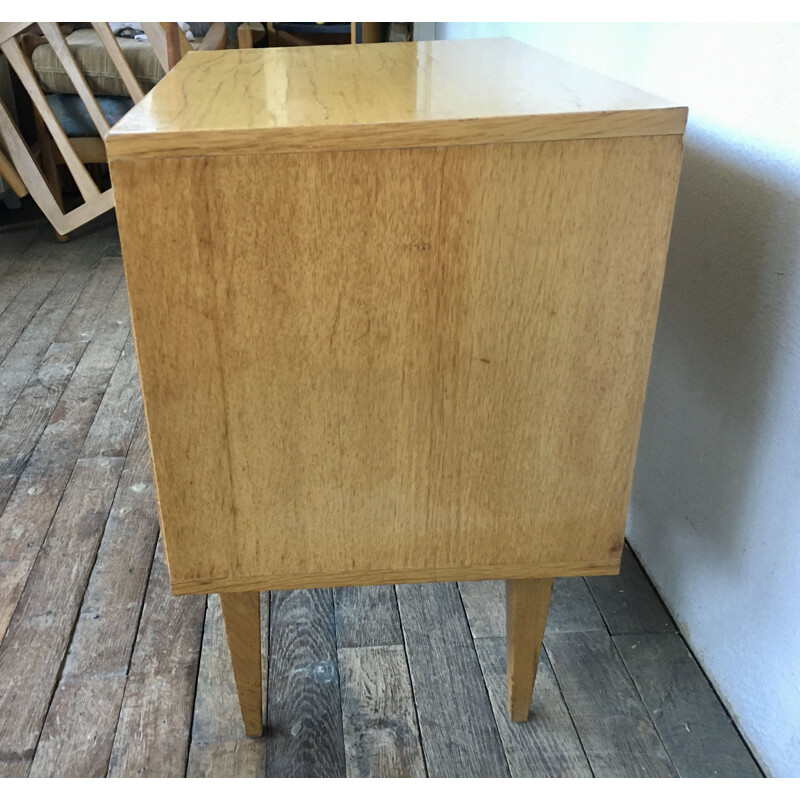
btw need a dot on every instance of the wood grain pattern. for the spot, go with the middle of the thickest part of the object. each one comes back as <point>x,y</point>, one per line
<point>152,738</point>
<point>572,608</point>
<point>218,748</point>
<point>430,94</point>
<point>28,417</point>
<point>381,736</point>
<point>74,295</point>
<point>37,638</point>
<point>304,713</point>
<point>527,604</point>
<point>628,601</point>
<point>485,606</point>
<point>77,737</point>
<point>242,614</point>
<point>547,745</point>
<point>616,732</point>
<point>699,736</point>
<point>80,714</point>
<point>119,411</point>
<point>422,422</point>
<point>367,616</point>
<point>36,496</point>
<point>459,734</point>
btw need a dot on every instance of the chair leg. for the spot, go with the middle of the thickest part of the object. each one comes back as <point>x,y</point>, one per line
<point>242,614</point>
<point>527,603</point>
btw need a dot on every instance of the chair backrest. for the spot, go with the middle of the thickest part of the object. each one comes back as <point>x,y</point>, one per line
<point>168,48</point>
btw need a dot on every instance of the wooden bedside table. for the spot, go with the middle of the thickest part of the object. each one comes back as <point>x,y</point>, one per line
<point>433,366</point>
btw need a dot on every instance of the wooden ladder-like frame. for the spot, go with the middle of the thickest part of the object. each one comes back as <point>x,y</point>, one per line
<point>21,169</point>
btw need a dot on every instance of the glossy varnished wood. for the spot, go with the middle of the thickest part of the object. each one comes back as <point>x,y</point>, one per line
<point>403,94</point>
<point>451,392</point>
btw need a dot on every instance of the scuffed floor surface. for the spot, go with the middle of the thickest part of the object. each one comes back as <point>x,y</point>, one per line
<point>104,672</point>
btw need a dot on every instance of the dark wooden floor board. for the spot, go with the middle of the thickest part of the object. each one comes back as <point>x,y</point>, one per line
<point>152,737</point>
<point>628,602</point>
<point>32,652</point>
<point>19,265</point>
<point>485,605</point>
<point>83,320</point>
<point>572,607</point>
<point>13,244</point>
<point>102,669</point>
<point>547,745</point>
<point>699,736</point>
<point>381,735</point>
<point>33,502</point>
<point>120,409</point>
<point>304,714</point>
<point>59,320</point>
<point>459,733</point>
<point>367,616</point>
<point>99,655</point>
<point>615,729</point>
<point>30,413</point>
<point>219,748</point>
<point>25,304</point>
<point>44,273</point>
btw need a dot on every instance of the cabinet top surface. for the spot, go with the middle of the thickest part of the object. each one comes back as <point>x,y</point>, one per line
<point>353,97</point>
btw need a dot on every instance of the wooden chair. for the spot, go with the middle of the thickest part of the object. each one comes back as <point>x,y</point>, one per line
<point>35,170</point>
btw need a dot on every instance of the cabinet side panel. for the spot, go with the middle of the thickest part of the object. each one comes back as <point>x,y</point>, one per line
<point>398,361</point>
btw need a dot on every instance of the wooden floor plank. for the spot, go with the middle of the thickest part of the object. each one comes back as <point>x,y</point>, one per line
<point>13,245</point>
<point>219,748</point>
<point>547,745</point>
<point>459,733</point>
<point>304,714</point>
<point>86,315</point>
<point>89,680</point>
<point>628,602</point>
<point>697,732</point>
<point>615,729</point>
<point>36,642</point>
<point>32,504</point>
<point>28,417</point>
<point>119,411</point>
<point>152,737</point>
<point>76,740</point>
<point>381,735</point>
<point>20,266</point>
<point>61,319</point>
<point>485,605</point>
<point>367,616</point>
<point>44,271</point>
<point>572,607</point>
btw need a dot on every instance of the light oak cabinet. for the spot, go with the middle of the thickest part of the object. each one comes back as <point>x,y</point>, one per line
<point>393,307</point>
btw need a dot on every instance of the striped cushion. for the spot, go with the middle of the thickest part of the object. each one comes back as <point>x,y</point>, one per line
<point>96,65</point>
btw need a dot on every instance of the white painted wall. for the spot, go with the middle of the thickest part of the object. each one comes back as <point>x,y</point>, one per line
<point>715,513</point>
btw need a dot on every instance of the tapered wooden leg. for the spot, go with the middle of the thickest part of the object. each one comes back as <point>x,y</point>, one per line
<point>241,612</point>
<point>527,602</point>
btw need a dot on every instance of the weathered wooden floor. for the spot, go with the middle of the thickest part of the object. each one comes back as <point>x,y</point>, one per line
<point>103,672</point>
